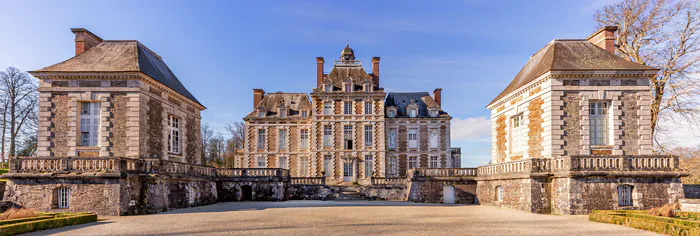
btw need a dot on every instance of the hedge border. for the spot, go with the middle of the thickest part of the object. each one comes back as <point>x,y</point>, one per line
<point>29,226</point>
<point>20,220</point>
<point>663,225</point>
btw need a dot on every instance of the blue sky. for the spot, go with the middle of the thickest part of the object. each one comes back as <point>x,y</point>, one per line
<point>220,50</point>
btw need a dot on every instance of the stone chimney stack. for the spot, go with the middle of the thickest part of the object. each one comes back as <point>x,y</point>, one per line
<point>437,95</point>
<point>604,38</point>
<point>375,70</point>
<point>84,40</point>
<point>319,71</point>
<point>258,95</point>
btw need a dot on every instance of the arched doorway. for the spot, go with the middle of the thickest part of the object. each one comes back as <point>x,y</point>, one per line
<point>247,192</point>
<point>448,194</point>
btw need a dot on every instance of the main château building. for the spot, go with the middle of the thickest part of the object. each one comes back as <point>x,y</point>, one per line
<point>349,129</point>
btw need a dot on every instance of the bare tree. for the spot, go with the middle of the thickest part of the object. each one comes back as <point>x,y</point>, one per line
<point>20,100</point>
<point>206,134</point>
<point>237,131</point>
<point>665,35</point>
<point>216,149</point>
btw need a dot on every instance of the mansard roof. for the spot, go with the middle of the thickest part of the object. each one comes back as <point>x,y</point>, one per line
<point>568,55</point>
<point>402,100</point>
<point>339,74</point>
<point>295,102</point>
<point>122,56</point>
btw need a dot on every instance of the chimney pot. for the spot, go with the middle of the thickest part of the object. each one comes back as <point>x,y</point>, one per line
<point>258,95</point>
<point>437,95</point>
<point>375,71</point>
<point>604,38</point>
<point>84,40</point>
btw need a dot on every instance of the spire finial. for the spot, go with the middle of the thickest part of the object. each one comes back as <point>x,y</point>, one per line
<point>347,43</point>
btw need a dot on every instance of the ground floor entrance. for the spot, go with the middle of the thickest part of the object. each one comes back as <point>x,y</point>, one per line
<point>349,170</point>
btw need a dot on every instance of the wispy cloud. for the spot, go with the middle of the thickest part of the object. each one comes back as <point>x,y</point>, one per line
<point>470,129</point>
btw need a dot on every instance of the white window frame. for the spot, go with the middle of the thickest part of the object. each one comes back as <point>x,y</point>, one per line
<point>391,138</point>
<point>327,165</point>
<point>261,139</point>
<point>348,87</point>
<point>499,193</point>
<point>434,162</point>
<point>624,195</point>
<point>347,107</point>
<point>63,195</point>
<point>369,136</point>
<point>89,124</point>
<point>368,88</point>
<point>328,88</point>
<point>327,108</point>
<point>598,123</point>
<point>391,113</point>
<point>369,166</point>
<point>304,137</point>
<point>327,136</point>
<point>392,166</point>
<point>304,114</point>
<point>413,113</point>
<point>283,162</point>
<point>517,136</point>
<point>368,107</point>
<point>174,143</point>
<point>413,162</point>
<point>433,138</point>
<point>347,136</point>
<point>282,139</point>
<point>262,162</point>
<point>412,138</point>
<point>304,166</point>
<point>261,114</point>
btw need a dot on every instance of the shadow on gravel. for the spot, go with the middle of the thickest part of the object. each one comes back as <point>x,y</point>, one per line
<point>69,228</point>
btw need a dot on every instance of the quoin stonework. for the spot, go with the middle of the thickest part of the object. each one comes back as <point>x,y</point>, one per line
<point>119,134</point>
<point>349,130</point>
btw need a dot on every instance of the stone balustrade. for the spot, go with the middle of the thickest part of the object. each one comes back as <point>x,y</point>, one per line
<point>251,172</point>
<point>527,166</point>
<point>446,172</point>
<point>308,181</point>
<point>388,181</point>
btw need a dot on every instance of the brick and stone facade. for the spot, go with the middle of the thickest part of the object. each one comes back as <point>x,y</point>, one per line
<point>345,124</point>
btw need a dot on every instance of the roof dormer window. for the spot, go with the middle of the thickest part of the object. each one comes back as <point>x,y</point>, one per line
<point>433,112</point>
<point>368,88</point>
<point>412,112</point>
<point>348,87</point>
<point>261,113</point>
<point>282,112</point>
<point>304,114</point>
<point>391,112</point>
<point>327,88</point>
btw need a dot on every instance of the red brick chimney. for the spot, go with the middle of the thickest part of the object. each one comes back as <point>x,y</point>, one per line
<point>258,95</point>
<point>375,70</point>
<point>604,38</point>
<point>319,71</point>
<point>437,95</point>
<point>84,40</point>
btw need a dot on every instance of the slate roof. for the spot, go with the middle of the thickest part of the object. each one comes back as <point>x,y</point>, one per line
<point>122,56</point>
<point>339,74</point>
<point>295,102</point>
<point>568,55</point>
<point>402,100</point>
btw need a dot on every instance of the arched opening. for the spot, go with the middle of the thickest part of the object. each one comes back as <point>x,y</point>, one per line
<point>247,192</point>
<point>448,194</point>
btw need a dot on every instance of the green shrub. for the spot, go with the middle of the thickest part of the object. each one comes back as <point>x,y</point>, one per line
<point>54,222</point>
<point>640,220</point>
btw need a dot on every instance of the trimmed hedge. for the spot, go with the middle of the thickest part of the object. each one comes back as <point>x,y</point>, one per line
<point>640,220</point>
<point>53,221</point>
<point>20,220</point>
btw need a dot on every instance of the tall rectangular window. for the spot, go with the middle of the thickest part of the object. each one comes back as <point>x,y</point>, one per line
<point>368,107</point>
<point>369,166</point>
<point>327,165</point>
<point>261,139</point>
<point>347,108</point>
<point>304,136</point>
<point>348,87</point>
<point>63,194</point>
<point>283,163</point>
<point>413,138</point>
<point>89,123</point>
<point>412,162</point>
<point>433,141</point>
<point>599,123</point>
<point>368,136</point>
<point>347,137</point>
<point>283,139</point>
<point>304,114</point>
<point>391,138</point>
<point>517,133</point>
<point>327,108</point>
<point>624,195</point>
<point>304,167</point>
<point>327,136</point>
<point>434,162</point>
<point>174,136</point>
<point>392,167</point>
<point>262,162</point>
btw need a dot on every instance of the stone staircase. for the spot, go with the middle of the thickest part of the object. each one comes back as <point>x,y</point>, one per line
<point>349,193</point>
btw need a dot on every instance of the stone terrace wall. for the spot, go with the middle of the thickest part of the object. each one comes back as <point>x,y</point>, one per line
<point>432,191</point>
<point>95,195</point>
<point>517,193</point>
<point>261,190</point>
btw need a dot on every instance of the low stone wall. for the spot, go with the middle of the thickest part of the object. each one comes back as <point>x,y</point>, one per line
<point>386,192</point>
<point>690,205</point>
<point>160,195</point>
<point>692,191</point>
<point>432,191</point>
<point>312,192</point>
<point>517,193</point>
<point>259,190</point>
<point>101,196</point>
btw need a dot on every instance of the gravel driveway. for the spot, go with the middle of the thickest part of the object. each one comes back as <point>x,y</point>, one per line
<point>345,218</point>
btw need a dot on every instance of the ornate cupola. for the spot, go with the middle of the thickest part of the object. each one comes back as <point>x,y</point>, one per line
<point>348,54</point>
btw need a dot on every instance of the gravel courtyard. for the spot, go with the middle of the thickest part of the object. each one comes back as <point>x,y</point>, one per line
<point>344,218</point>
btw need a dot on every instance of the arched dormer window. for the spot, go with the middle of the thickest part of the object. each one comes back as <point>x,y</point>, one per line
<point>367,87</point>
<point>391,111</point>
<point>282,110</point>
<point>304,113</point>
<point>327,87</point>
<point>412,109</point>
<point>261,112</point>
<point>433,112</point>
<point>347,87</point>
